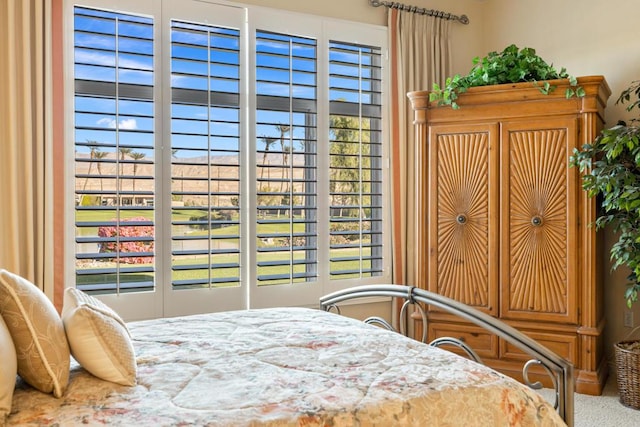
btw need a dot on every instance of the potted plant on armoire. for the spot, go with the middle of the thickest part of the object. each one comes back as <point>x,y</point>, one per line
<point>611,172</point>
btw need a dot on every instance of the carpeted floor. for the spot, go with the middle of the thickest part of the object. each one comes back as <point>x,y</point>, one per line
<point>602,411</point>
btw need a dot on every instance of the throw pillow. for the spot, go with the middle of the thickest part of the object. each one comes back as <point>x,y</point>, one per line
<point>99,338</point>
<point>37,333</point>
<point>8,371</point>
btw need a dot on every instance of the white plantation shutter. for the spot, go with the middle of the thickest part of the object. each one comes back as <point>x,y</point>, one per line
<point>114,151</point>
<point>355,172</point>
<point>205,155</point>
<point>286,158</point>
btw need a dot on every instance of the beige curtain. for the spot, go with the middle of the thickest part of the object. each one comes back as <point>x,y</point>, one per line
<point>420,55</point>
<point>26,220</point>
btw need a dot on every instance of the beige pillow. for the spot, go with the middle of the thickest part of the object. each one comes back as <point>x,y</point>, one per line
<point>99,338</point>
<point>8,371</point>
<point>37,332</point>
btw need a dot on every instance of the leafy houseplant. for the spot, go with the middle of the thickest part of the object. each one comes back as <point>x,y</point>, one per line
<point>611,170</point>
<point>512,65</point>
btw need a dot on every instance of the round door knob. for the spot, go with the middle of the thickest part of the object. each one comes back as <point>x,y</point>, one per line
<point>536,221</point>
<point>461,219</point>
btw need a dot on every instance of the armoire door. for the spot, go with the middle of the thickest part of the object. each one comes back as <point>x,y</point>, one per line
<point>539,220</point>
<point>463,214</point>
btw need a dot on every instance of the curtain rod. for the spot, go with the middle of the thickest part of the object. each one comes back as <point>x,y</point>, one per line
<point>464,19</point>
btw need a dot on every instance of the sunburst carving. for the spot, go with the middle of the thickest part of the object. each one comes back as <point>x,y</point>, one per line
<point>538,221</point>
<point>463,215</point>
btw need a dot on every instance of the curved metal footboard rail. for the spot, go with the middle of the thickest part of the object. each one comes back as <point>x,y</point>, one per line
<point>561,370</point>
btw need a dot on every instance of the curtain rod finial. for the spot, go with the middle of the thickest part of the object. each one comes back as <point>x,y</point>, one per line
<point>464,19</point>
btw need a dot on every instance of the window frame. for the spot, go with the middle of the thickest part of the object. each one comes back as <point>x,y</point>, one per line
<point>256,18</point>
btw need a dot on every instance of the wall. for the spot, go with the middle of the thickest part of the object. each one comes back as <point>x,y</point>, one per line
<point>587,37</point>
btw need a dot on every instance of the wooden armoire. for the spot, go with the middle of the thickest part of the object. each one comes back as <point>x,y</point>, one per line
<point>503,222</point>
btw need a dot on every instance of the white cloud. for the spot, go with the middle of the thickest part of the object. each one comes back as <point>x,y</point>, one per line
<point>128,124</point>
<point>124,124</point>
<point>110,123</point>
<point>108,59</point>
<point>176,80</point>
<point>94,58</point>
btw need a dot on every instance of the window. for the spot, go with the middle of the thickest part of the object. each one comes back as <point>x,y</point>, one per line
<point>286,186</point>
<point>114,151</point>
<point>223,159</point>
<point>205,155</point>
<point>355,161</point>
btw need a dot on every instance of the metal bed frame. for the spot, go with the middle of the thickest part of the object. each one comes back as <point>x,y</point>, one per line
<point>559,369</point>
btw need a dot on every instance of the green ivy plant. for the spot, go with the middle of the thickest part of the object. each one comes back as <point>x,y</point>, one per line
<point>512,65</point>
<point>611,170</point>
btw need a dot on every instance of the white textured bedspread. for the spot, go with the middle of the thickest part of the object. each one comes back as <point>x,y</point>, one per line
<point>286,367</point>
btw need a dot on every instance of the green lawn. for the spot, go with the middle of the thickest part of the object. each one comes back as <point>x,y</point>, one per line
<point>109,215</point>
<point>178,215</point>
<point>178,275</point>
<point>216,273</point>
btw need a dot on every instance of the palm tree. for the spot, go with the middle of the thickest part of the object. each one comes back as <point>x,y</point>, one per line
<point>137,156</point>
<point>99,155</point>
<point>124,151</point>
<point>177,197</point>
<point>267,145</point>
<point>283,129</point>
<point>92,155</point>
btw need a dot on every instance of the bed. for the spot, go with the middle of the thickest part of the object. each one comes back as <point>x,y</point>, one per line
<point>297,367</point>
